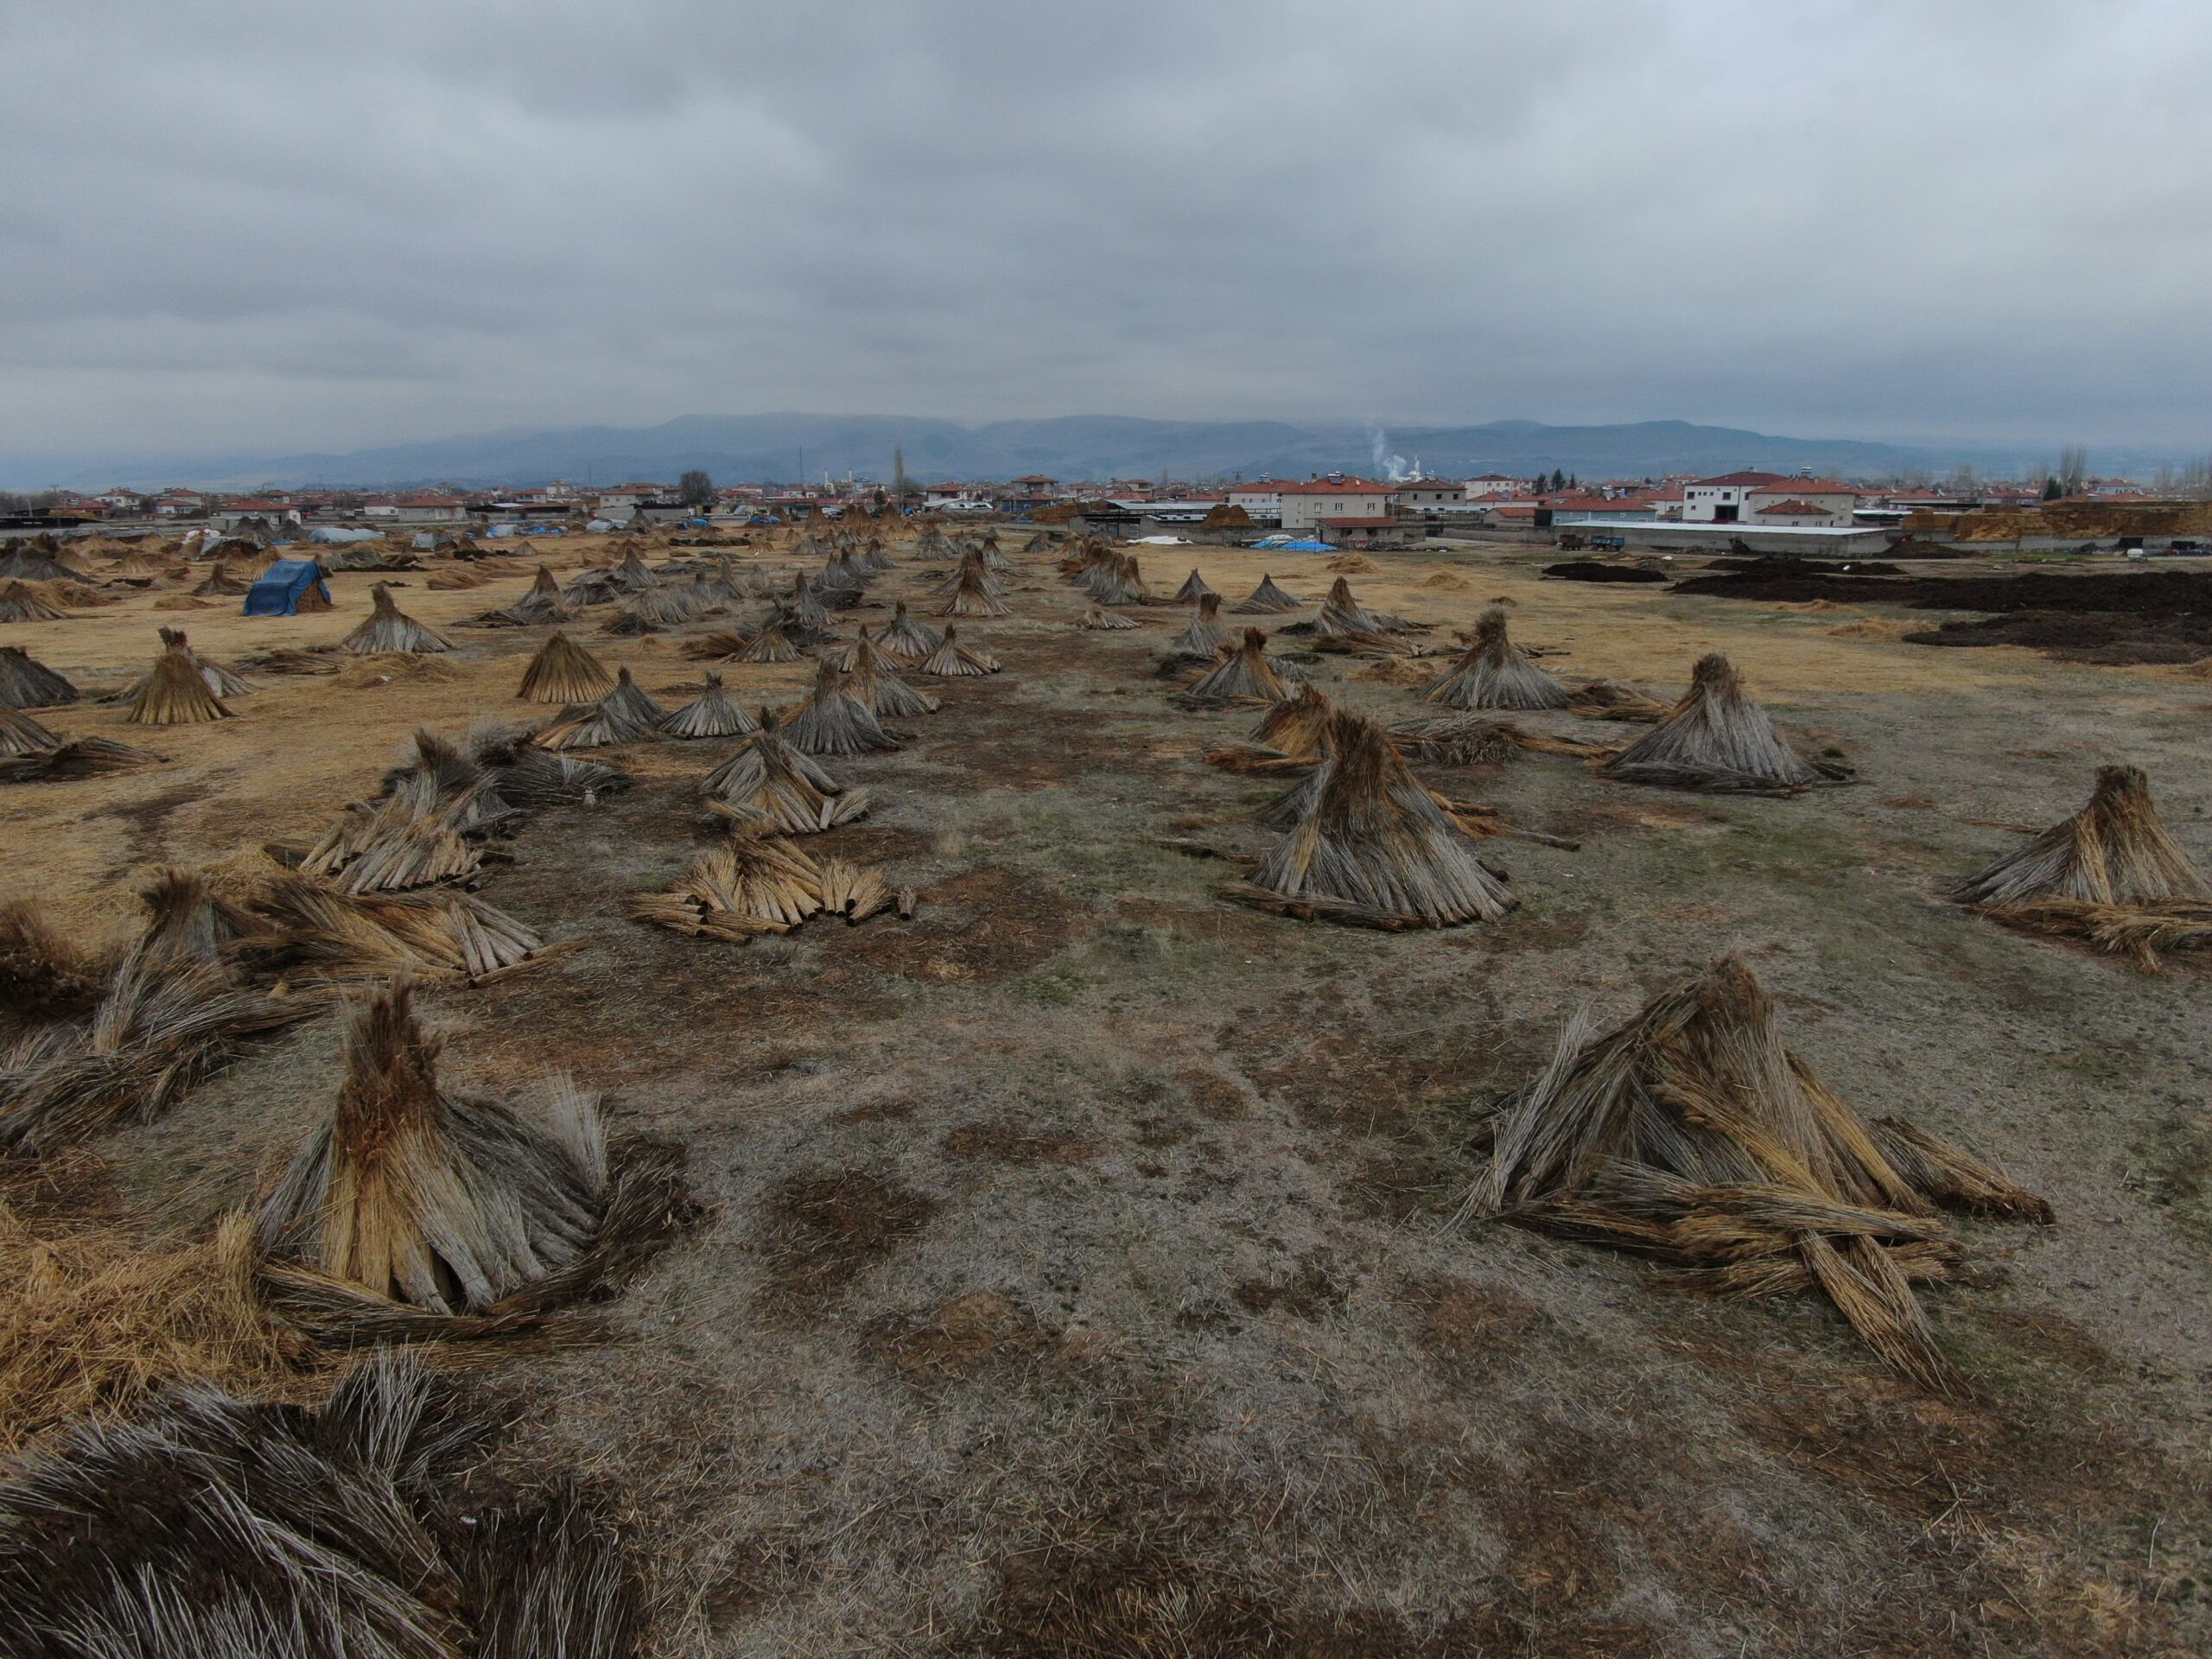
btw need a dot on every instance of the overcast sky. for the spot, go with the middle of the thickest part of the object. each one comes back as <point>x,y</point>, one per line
<point>232,223</point>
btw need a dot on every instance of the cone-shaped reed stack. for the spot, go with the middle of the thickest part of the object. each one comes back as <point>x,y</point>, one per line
<point>874,680</point>
<point>563,671</point>
<point>1193,589</point>
<point>21,603</point>
<point>390,629</point>
<point>1372,847</point>
<point>25,683</point>
<point>1693,1134</point>
<point>907,640</point>
<point>833,721</point>
<point>1494,673</point>
<point>1715,738</point>
<point>713,713</point>
<point>952,661</point>
<point>2111,877</point>
<point>175,692</point>
<point>1245,673</point>
<point>1205,635</point>
<point>1266,600</point>
<point>446,1204</point>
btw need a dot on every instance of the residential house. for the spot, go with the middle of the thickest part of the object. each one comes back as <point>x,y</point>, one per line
<point>1793,502</point>
<point>1262,500</point>
<point>1427,497</point>
<point>1339,496</point>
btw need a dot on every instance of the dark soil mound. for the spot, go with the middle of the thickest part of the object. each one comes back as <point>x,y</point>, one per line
<point>2109,636</point>
<point>2151,616</point>
<point>1593,570</point>
<point>1775,565</point>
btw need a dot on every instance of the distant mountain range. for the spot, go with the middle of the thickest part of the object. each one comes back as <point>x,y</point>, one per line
<point>758,448</point>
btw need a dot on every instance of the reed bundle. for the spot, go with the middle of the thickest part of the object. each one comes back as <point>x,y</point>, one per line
<point>388,628</point>
<point>1716,738</point>
<point>563,671</point>
<point>1494,673</point>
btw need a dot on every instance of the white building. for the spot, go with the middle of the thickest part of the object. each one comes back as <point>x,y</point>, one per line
<point>1428,497</point>
<point>1336,496</point>
<point>1494,486</point>
<point>1720,500</point>
<point>1819,502</point>
<point>1262,498</point>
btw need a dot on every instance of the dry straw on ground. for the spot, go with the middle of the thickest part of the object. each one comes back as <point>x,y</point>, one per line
<point>1691,1134</point>
<point>203,1524</point>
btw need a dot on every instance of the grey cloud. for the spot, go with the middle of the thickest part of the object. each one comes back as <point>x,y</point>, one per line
<point>242,223</point>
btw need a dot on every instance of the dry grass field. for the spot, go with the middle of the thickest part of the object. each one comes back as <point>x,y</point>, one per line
<point>1075,1268</point>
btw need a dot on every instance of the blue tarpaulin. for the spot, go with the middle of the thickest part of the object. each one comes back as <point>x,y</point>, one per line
<point>286,588</point>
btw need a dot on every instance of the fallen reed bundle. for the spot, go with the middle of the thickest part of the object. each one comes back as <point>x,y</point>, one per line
<point>1692,1135</point>
<point>437,935</point>
<point>770,784</point>
<point>595,726</point>
<point>563,671</point>
<point>2111,877</point>
<point>21,734</point>
<point>409,1200</point>
<point>833,721</point>
<point>59,760</point>
<point>1243,673</point>
<point>535,778</point>
<point>388,628</point>
<point>1475,739</point>
<point>1266,600</point>
<point>187,921</point>
<point>1102,621</point>
<point>175,692</point>
<point>874,680</point>
<point>1716,738</point>
<point>1205,635</point>
<point>1494,673</point>
<point>160,1027</point>
<point>749,885</point>
<point>713,713</point>
<point>1615,700</point>
<point>203,1525</point>
<point>25,683</point>
<point>21,603</point>
<point>222,582</point>
<point>953,661</point>
<point>1372,847</point>
<point>390,845</point>
<point>908,640</point>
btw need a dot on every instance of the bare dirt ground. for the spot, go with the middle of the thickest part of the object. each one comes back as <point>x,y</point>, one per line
<point>1077,1275</point>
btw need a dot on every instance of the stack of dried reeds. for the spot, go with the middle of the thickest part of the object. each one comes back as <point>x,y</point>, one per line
<point>2111,877</point>
<point>874,680</point>
<point>974,591</point>
<point>1243,673</point>
<point>30,753</point>
<point>1100,620</point>
<point>1716,738</point>
<point>771,784</point>
<point>754,883</point>
<point>833,721</point>
<point>952,661</point>
<point>1193,589</point>
<point>390,629</point>
<point>908,640</point>
<point>713,713</point>
<point>1205,635</point>
<point>563,671</point>
<point>176,692</point>
<point>1474,739</point>
<point>1494,673</point>
<point>25,683</point>
<point>1692,1135</point>
<point>203,1525</point>
<point>438,934</point>
<point>21,603</point>
<point>1266,600</point>
<point>409,1198</point>
<point>1371,846</point>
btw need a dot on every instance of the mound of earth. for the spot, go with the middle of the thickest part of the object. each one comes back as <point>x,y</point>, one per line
<point>1597,570</point>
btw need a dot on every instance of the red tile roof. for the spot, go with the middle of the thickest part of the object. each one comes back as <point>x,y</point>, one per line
<point>1794,510</point>
<point>1741,481</point>
<point>1809,487</point>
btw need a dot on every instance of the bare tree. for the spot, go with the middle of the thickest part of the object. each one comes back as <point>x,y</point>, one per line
<point>695,489</point>
<point>2074,467</point>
